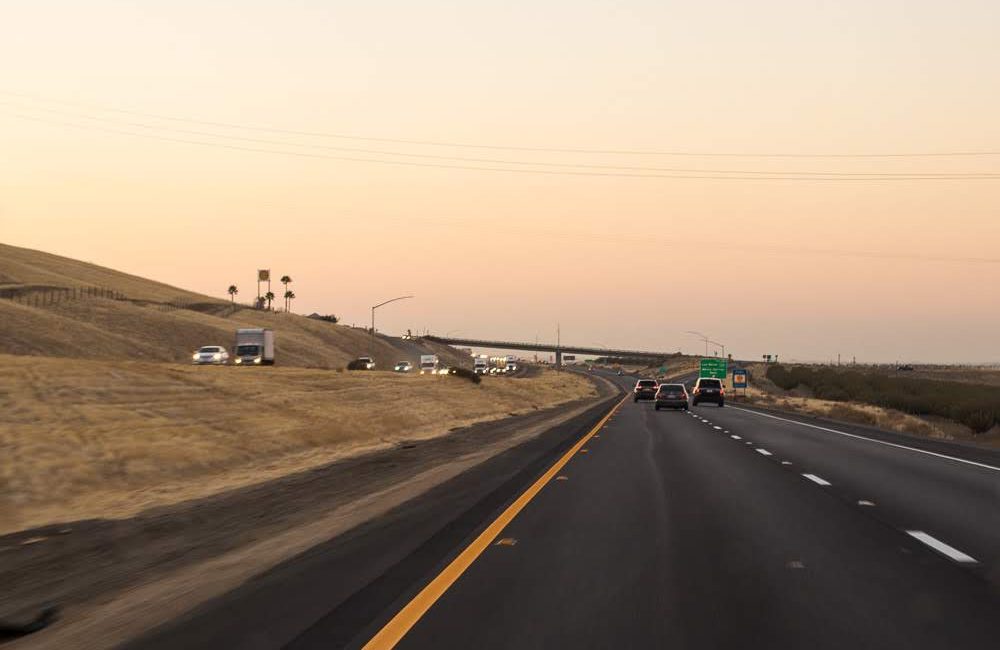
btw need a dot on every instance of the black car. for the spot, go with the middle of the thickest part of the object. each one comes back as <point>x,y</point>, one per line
<point>707,389</point>
<point>671,396</point>
<point>644,389</point>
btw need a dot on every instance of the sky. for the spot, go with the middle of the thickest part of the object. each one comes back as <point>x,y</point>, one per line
<point>626,171</point>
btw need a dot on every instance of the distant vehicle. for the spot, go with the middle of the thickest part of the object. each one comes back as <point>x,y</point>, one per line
<point>644,389</point>
<point>210,354</point>
<point>367,362</point>
<point>428,364</point>
<point>619,372</point>
<point>707,389</point>
<point>511,365</point>
<point>673,396</point>
<point>905,367</point>
<point>481,365</point>
<point>403,366</point>
<point>254,347</point>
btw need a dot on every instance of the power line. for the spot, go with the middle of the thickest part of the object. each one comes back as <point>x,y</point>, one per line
<point>688,242</point>
<point>437,143</point>
<point>550,172</point>
<point>146,125</point>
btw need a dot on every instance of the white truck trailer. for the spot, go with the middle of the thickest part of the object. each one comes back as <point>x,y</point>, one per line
<point>254,347</point>
<point>481,365</point>
<point>428,364</point>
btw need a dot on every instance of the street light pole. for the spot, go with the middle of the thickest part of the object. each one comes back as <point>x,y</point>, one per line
<point>702,337</point>
<point>371,344</point>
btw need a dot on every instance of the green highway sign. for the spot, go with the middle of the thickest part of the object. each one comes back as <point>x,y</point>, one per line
<point>713,368</point>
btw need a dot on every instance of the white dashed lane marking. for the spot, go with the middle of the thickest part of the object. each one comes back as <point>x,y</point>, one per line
<point>941,547</point>
<point>717,428</point>
<point>736,437</point>
<point>763,451</point>
<point>816,479</point>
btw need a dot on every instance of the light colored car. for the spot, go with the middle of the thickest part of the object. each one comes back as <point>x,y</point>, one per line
<point>403,366</point>
<point>368,361</point>
<point>210,354</point>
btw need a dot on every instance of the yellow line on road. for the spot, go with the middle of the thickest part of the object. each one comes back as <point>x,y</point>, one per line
<point>406,618</point>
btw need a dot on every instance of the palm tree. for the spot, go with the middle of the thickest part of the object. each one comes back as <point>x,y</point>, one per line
<point>289,297</point>
<point>232,292</point>
<point>286,280</point>
<point>269,296</point>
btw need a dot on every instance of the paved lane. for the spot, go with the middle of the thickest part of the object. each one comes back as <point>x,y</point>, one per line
<point>668,532</point>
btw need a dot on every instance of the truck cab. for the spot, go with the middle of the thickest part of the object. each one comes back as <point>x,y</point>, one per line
<point>254,347</point>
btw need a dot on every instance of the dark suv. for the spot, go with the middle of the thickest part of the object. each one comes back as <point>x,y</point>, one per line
<point>673,396</point>
<point>707,389</point>
<point>644,389</point>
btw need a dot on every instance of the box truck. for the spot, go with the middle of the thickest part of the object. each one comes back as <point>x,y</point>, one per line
<point>254,347</point>
<point>428,364</point>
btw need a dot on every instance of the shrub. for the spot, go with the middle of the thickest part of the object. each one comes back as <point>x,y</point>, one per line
<point>465,373</point>
<point>975,406</point>
<point>980,421</point>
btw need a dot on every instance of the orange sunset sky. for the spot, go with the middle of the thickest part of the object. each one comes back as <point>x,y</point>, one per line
<point>194,142</point>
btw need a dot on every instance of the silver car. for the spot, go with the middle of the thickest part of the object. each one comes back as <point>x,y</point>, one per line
<point>210,354</point>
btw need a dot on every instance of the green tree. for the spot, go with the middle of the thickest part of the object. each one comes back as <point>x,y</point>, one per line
<point>286,280</point>
<point>269,297</point>
<point>232,292</point>
<point>289,297</point>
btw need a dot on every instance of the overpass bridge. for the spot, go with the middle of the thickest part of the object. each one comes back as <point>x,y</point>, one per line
<point>557,349</point>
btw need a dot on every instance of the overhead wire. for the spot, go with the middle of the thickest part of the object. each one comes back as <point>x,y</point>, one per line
<point>579,150</point>
<point>695,174</point>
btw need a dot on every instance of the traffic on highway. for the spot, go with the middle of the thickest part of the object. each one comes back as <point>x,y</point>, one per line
<point>500,325</point>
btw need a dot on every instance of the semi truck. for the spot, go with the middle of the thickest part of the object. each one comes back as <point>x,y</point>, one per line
<point>481,365</point>
<point>254,347</point>
<point>428,364</point>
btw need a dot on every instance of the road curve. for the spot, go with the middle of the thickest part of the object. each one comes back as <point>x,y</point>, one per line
<point>726,528</point>
<point>710,529</point>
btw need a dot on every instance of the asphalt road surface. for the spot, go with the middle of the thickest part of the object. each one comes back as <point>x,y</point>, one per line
<point>715,528</point>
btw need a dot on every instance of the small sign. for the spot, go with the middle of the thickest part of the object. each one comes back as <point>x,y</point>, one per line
<point>715,368</point>
<point>569,357</point>
<point>264,275</point>
<point>739,378</point>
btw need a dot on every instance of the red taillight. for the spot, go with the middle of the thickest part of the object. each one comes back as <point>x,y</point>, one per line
<point>722,391</point>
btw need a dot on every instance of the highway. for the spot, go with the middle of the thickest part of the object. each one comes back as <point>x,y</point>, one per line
<point>715,528</point>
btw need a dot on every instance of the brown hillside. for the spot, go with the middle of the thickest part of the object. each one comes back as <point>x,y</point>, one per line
<point>48,307</point>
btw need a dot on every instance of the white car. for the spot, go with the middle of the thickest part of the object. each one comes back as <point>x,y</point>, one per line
<point>210,354</point>
<point>368,361</point>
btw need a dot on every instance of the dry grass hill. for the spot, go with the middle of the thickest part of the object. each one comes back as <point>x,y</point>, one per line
<point>56,306</point>
<point>105,416</point>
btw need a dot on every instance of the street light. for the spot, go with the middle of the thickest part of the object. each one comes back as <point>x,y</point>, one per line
<point>371,345</point>
<point>721,346</point>
<point>702,337</point>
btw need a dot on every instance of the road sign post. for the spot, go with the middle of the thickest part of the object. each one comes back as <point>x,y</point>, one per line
<point>740,379</point>
<point>714,367</point>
